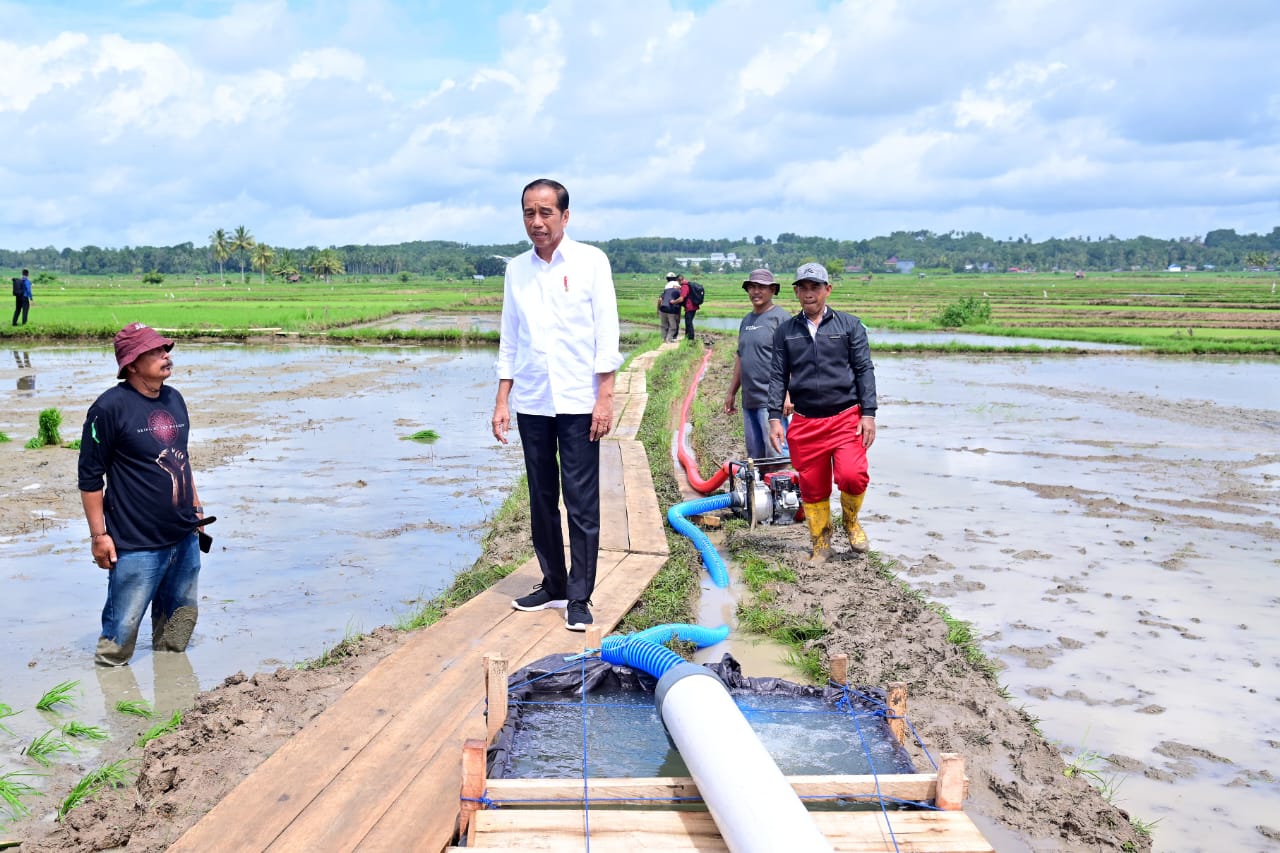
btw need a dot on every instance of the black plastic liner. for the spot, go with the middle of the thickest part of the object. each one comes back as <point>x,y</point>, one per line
<point>551,677</point>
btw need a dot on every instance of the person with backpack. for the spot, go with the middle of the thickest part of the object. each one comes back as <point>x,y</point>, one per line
<point>669,309</point>
<point>21,297</point>
<point>691,296</point>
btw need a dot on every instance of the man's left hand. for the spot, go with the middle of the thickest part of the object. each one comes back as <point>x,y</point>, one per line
<point>602,417</point>
<point>867,428</point>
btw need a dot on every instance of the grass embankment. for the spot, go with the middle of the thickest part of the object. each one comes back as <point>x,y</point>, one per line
<point>1195,313</point>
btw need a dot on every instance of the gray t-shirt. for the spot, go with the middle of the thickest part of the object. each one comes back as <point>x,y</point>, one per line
<point>755,348</point>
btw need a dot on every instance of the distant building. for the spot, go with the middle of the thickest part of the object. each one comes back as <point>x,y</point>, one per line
<point>715,259</point>
<point>895,265</point>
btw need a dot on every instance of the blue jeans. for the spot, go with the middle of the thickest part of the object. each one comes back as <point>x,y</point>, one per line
<point>755,427</point>
<point>165,579</point>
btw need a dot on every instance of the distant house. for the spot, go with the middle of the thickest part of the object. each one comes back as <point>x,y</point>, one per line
<point>477,278</point>
<point>853,268</point>
<point>895,265</point>
<point>1174,268</point>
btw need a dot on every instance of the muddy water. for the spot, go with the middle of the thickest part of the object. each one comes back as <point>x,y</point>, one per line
<point>1109,524</point>
<point>328,522</point>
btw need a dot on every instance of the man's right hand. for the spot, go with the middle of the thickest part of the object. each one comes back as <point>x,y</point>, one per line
<point>777,435</point>
<point>501,421</point>
<point>104,551</point>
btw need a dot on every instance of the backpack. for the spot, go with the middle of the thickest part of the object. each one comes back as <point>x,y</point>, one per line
<point>18,289</point>
<point>696,294</point>
<point>664,303</point>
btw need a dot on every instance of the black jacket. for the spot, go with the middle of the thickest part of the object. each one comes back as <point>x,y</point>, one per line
<point>826,373</point>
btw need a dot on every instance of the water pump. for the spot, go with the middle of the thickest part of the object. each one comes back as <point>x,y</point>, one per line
<point>764,491</point>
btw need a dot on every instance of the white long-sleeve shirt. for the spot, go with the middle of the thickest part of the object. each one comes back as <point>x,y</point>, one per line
<point>559,329</point>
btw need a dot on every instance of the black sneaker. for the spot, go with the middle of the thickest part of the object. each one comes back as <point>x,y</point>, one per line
<point>539,599</point>
<point>578,616</point>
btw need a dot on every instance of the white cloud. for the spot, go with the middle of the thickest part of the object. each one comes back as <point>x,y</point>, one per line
<point>316,121</point>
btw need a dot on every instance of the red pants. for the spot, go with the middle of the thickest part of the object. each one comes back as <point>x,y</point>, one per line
<point>821,445</point>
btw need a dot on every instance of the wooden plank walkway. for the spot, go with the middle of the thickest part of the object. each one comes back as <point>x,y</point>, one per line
<point>381,768</point>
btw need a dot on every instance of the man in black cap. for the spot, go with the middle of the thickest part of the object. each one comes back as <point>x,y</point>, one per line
<point>822,358</point>
<point>143,522</point>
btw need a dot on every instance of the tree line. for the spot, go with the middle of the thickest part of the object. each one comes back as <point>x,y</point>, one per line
<point>955,251</point>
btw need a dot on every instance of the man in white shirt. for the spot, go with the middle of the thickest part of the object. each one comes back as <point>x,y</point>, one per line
<point>556,363</point>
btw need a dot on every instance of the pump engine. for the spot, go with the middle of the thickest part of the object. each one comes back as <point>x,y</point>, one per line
<point>764,491</point>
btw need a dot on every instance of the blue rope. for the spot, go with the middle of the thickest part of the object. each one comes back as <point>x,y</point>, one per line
<point>586,799</point>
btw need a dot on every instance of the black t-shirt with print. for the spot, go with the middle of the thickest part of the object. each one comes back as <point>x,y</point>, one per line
<point>138,446</point>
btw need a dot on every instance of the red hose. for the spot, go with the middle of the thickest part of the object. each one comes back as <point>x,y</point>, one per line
<point>690,464</point>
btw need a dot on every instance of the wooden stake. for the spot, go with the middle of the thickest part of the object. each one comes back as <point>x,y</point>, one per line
<point>951,782</point>
<point>592,638</point>
<point>473,784</point>
<point>840,668</point>
<point>495,685</point>
<point>896,699</point>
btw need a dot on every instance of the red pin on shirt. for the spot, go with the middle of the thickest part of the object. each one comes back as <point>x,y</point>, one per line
<point>566,284</point>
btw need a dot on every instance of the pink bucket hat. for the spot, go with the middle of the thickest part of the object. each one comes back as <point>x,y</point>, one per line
<point>135,339</point>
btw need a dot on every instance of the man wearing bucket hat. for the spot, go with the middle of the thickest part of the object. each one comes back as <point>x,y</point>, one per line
<point>822,358</point>
<point>140,500</point>
<point>752,364</point>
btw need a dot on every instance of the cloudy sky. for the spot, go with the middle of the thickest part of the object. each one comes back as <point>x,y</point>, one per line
<point>317,122</point>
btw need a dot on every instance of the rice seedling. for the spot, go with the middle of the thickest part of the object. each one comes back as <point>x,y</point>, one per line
<point>423,435</point>
<point>159,729</point>
<point>80,730</point>
<point>47,434</point>
<point>43,748</point>
<point>113,775</point>
<point>13,791</point>
<point>4,437</point>
<point>59,694</point>
<point>5,712</point>
<point>135,708</point>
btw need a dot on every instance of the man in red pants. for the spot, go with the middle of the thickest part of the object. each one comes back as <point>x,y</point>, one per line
<point>822,358</point>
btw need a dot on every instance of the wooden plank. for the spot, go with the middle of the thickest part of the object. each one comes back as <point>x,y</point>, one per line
<point>917,787</point>
<point>613,507</point>
<point>422,815</point>
<point>427,727</point>
<point>647,533</point>
<point>266,801</point>
<point>628,422</point>
<point>626,831</point>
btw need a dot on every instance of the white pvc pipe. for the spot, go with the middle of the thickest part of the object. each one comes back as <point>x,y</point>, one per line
<point>753,804</point>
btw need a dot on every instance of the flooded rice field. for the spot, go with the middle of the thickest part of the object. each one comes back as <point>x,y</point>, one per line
<point>329,522</point>
<point>1107,523</point>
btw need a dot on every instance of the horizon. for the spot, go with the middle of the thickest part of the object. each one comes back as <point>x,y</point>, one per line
<point>328,122</point>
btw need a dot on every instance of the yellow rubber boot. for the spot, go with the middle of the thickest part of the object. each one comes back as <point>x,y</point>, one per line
<point>818,517</point>
<point>851,505</point>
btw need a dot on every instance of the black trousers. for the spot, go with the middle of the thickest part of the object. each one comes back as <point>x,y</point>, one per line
<point>544,438</point>
<point>21,306</point>
<point>688,324</point>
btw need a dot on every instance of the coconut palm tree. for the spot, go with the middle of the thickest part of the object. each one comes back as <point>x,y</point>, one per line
<point>262,256</point>
<point>286,265</point>
<point>242,244</point>
<point>325,263</point>
<point>221,247</point>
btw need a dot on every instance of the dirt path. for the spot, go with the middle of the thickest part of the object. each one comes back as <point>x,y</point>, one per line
<point>1019,792</point>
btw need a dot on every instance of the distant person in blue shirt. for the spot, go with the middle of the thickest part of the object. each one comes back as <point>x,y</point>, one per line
<point>21,297</point>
